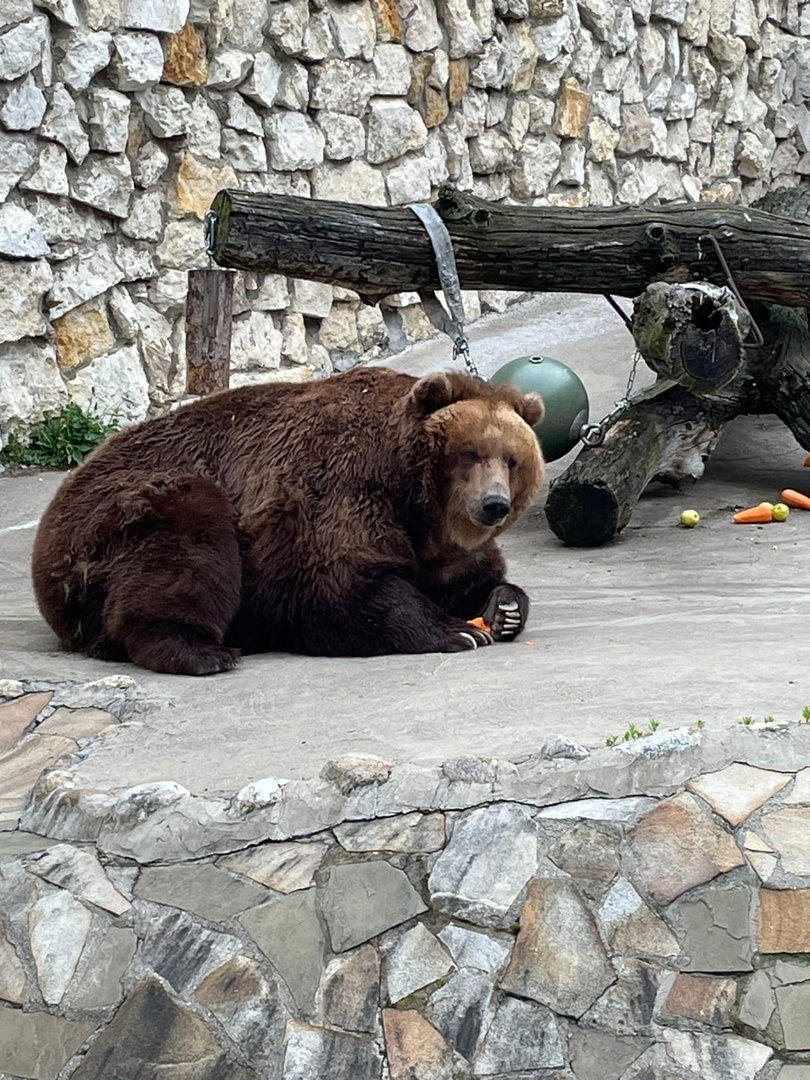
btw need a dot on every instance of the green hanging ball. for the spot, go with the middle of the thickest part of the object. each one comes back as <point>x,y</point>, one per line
<point>565,398</point>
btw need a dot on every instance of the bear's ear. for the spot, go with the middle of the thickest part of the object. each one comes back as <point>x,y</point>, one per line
<point>531,408</point>
<point>432,392</point>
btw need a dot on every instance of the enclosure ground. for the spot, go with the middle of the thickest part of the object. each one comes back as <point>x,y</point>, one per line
<point>666,623</point>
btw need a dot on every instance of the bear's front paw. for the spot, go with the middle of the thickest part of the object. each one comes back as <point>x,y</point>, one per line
<point>506,612</point>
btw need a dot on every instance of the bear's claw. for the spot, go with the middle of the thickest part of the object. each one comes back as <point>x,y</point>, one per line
<point>506,612</point>
<point>476,637</point>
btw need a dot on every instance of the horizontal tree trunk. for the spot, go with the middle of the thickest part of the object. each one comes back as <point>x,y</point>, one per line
<point>668,438</point>
<point>383,250</point>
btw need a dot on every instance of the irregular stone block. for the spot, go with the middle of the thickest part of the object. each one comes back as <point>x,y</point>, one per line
<point>590,854</point>
<point>800,792</point>
<point>677,846</point>
<point>151,1034</point>
<point>573,110</point>
<point>24,107</point>
<point>460,1010</point>
<point>627,1007</point>
<point>17,715</point>
<point>83,334</point>
<point>23,47</point>
<point>58,927</point>
<point>165,16</point>
<point>37,1045</point>
<point>98,979</point>
<point>362,900</point>
<point>416,959</point>
<point>81,279</point>
<point>717,1057</point>
<point>201,888</point>
<point>700,999</point>
<point>285,867</point>
<point>558,958</point>
<point>471,949</point>
<point>50,175</point>
<point>62,123</point>
<point>313,1051</point>
<point>138,61</point>
<point>77,723</point>
<point>350,990</point>
<point>523,1036</point>
<point>783,921</point>
<point>249,1008</point>
<point>295,142</point>
<point>789,832</point>
<point>738,790</point>
<point>228,68</point>
<point>23,285</point>
<point>185,58</point>
<point>289,933</point>
<point>84,54</point>
<point>600,1055</point>
<point>178,949</point>
<point>407,832</point>
<point>12,973</point>
<point>757,1002</point>
<point>20,768</point>
<point>165,110</point>
<point>113,385</point>
<point>356,181</point>
<point>17,155</point>
<point>109,120</point>
<point>716,929</point>
<point>81,873</point>
<point>491,856</point>
<point>793,1007</point>
<point>394,128</point>
<point>631,928</point>
<point>415,1050</point>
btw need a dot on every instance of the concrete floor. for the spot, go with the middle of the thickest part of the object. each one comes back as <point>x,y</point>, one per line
<point>675,624</point>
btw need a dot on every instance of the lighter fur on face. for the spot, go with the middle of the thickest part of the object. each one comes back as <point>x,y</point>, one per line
<point>490,453</point>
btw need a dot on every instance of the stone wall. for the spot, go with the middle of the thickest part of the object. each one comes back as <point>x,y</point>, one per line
<point>634,913</point>
<point>119,120</point>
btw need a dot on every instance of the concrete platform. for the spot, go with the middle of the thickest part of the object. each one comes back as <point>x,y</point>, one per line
<point>666,623</point>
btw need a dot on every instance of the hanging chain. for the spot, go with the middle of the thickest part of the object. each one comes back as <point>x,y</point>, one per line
<point>461,348</point>
<point>209,235</point>
<point>594,434</point>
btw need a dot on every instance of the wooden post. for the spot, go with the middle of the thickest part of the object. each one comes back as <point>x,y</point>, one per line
<point>209,320</point>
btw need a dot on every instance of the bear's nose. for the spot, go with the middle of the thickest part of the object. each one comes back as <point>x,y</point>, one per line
<point>494,509</point>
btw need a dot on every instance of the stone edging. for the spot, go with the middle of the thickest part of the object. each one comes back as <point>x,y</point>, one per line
<point>613,914</point>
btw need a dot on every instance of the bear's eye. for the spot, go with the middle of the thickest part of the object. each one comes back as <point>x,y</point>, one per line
<point>469,456</point>
<point>513,462</point>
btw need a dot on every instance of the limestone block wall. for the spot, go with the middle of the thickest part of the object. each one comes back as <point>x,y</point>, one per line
<point>119,120</point>
<point>634,913</point>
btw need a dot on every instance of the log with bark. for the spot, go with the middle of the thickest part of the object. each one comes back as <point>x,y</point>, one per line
<point>668,436</point>
<point>382,250</point>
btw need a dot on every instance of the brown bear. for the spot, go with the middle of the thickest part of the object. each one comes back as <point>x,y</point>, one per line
<point>354,516</point>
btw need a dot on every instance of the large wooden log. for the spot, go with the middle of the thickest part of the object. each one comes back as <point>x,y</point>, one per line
<point>669,437</point>
<point>382,250</point>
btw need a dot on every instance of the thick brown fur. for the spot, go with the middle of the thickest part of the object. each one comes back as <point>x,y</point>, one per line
<point>352,516</point>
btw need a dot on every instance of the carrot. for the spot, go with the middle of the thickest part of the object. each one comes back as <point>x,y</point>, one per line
<point>754,515</point>
<point>479,622</point>
<point>795,499</point>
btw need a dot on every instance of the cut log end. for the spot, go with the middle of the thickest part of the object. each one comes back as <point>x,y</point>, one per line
<point>583,514</point>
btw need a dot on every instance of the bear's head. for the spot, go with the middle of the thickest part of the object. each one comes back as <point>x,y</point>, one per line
<point>491,466</point>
